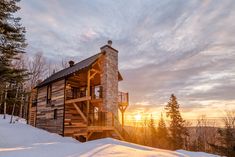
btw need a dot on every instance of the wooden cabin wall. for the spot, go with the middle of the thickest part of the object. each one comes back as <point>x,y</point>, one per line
<point>45,112</point>
<point>32,116</point>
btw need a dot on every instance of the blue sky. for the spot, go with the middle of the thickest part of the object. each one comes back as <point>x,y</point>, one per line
<point>171,46</point>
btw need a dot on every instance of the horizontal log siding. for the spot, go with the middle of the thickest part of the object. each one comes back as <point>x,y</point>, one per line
<point>45,113</point>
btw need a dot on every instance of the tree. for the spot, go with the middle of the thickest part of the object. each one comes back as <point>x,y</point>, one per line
<point>37,69</point>
<point>153,132</point>
<point>162,135</point>
<point>12,39</point>
<point>205,132</point>
<point>177,130</point>
<point>12,43</point>
<point>226,145</point>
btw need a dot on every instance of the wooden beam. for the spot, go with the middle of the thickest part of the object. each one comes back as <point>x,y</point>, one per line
<point>89,135</point>
<point>100,128</point>
<point>95,101</point>
<point>98,63</point>
<point>86,98</point>
<point>95,70</point>
<point>122,108</point>
<point>80,112</point>
<point>93,75</point>
<point>88,91</point>
<point>120,136</point>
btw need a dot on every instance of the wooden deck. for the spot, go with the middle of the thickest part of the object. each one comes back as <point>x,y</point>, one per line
<point>86,98</point>
<point>100,128</point>
<point>92,129</point>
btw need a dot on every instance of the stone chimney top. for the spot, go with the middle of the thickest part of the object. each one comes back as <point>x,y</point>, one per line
<point>108,46</point>
<point>71,63</point>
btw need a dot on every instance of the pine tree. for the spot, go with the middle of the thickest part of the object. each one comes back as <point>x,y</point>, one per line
<point>12,43</point>
<point>177,129</point>
<point>162,134</point>
<point>152,131</point>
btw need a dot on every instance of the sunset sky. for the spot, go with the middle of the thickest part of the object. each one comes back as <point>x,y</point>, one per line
<point>165,46</point>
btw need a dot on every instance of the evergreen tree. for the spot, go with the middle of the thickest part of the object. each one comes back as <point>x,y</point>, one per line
<point>152,131</point>
<point>162,134</point>
<point>12,43</point>
<point>177,130</point>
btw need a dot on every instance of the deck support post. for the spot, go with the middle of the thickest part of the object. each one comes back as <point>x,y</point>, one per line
<point>88,94</point>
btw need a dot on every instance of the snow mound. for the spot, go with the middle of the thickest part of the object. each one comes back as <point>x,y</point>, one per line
<point>21,140</point>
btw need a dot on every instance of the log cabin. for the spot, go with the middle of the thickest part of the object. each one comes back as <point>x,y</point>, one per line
<point>83,100</point>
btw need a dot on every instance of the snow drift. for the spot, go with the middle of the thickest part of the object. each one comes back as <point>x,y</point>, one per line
<point>22,140</point>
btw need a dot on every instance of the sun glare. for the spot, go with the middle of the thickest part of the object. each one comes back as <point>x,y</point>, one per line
<point>138,117</point>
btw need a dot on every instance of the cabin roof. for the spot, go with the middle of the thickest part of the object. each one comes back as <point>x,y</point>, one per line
<point>76,67</point>
<point>67,71</point>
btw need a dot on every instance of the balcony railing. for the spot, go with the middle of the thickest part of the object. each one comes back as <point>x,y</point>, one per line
<point>101,119</point>
<point>75,93</point>
<point>123,98</point>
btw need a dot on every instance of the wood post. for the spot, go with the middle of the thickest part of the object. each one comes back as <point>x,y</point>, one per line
<point>88,94</point>
<point>122,120</point>
<point>30,107</point>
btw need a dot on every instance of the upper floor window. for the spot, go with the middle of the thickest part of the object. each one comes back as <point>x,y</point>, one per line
<point>97,92</point>
<point>49,92</point>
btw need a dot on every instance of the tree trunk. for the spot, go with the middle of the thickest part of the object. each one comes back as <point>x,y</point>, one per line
<point>1,100</point>
<point>26,107</point>
<point>21,106</point>
<point>13,109</point>
<point>5,103</point>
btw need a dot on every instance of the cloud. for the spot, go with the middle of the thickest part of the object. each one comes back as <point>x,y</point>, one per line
<point>182,47</point>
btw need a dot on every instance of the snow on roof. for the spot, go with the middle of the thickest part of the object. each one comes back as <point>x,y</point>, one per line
<point>22,140</point>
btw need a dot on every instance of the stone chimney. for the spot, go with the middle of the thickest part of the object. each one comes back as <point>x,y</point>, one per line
<point>109,78</point>
<point>71,63</point>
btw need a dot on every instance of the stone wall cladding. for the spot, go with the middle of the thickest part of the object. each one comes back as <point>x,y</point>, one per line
<point>109,80</point>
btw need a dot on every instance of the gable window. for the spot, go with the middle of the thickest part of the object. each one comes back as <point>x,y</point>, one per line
<point>49,92</point>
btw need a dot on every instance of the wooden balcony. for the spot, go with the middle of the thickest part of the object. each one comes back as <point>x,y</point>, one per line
<point>74,95</point>
<point>123,99</point>
<point>85,98</point>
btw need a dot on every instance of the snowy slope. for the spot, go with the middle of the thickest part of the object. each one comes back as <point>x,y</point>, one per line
<point>22,140</point>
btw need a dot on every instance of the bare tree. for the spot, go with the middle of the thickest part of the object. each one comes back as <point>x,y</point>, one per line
<point>37,69</point>
<point>229,119</point>
<point>64,63</point>
<point>205,133</point>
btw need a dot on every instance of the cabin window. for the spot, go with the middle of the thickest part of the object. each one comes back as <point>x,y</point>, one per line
<point>55,113</point>
<point>97,92</point>
<point>49,92</point>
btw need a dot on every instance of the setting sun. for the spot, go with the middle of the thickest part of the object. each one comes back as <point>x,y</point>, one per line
<point>138,117</point>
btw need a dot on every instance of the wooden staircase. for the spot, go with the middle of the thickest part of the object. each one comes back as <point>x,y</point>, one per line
<point>74,124</point>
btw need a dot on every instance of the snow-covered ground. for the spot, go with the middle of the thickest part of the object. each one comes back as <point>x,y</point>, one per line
<point>22,140</point>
